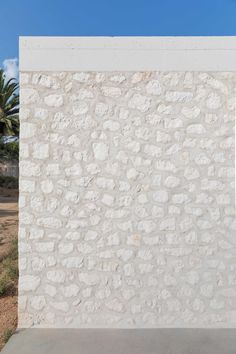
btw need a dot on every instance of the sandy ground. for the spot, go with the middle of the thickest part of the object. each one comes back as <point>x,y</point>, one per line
<point>8,230</point>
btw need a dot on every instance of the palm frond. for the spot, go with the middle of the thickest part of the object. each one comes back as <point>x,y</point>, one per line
<point>9,106</point>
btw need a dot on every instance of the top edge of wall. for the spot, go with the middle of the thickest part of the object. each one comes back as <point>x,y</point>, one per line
<point>128,53</point>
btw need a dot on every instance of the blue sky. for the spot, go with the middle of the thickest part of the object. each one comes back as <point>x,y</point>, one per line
<point>111,18</point>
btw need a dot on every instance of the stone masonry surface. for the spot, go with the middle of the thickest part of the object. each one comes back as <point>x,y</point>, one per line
<point>127,199</point>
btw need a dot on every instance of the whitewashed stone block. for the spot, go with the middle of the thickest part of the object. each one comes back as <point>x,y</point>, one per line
<point>29,283</point>
<point>100,151</point>
<point>54,100</point>
<point>127,210</point>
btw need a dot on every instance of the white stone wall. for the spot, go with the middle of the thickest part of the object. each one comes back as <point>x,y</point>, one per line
<point>127,199</point>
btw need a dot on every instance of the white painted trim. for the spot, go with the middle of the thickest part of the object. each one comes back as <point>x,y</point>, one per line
<point>127,53</point>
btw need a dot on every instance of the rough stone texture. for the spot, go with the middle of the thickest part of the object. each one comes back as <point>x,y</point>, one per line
<point>128,185</point>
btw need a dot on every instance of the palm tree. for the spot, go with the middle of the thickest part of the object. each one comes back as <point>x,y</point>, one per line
<point>9,106</point>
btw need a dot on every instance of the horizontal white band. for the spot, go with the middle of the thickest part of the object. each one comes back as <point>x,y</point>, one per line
<point>127,53</point>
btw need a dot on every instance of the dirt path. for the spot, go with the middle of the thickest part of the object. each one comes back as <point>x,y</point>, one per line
<point>8,232</point>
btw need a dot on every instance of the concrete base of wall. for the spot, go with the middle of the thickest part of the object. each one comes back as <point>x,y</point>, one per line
<point>125,341</point>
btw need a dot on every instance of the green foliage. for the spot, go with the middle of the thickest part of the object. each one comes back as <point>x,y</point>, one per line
<point>13,254</point>
<point>9,151</point>
<point>3,285</point>
<point>9,182</point>
<point>7,335</point>
<point>9,270</point>
<point>9,106</point>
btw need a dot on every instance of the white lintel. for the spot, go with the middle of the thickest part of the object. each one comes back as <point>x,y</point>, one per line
<point>128,53</point>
